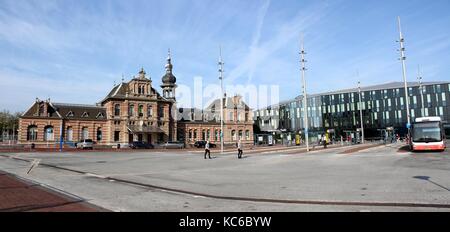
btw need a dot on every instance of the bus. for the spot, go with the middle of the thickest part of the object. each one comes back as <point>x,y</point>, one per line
<point>427,134</point>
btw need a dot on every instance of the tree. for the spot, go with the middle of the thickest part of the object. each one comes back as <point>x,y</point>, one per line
<point>9,123</point>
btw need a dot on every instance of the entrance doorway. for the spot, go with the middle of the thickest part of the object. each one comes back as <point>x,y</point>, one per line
<point>130,138</point>
<point>149,138</point>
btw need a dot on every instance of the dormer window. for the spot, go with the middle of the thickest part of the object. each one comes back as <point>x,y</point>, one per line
<point>70,114</point>
<point>85,115</point>
<point>100,115</point>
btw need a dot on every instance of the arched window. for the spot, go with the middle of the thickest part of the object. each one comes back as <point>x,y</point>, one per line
<point>240,134</point>
<point>117,110</point>
<point>48,133</point>
<point>32,133</point>
<point>84,133</point>
<point>195,134</point>
<point>233,135</point>
<point>247,135</point>
<point>99,134</point>
<point>208,134</point>
<point>203,134</point>
<point>69,134</point>
<point>190,134</point>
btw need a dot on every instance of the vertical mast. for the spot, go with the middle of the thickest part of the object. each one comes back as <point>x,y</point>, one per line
<point>403,58</point>
<point>360,110</point>
<point>305,99</point>
<point>419,78</point>
<point>221,98</point>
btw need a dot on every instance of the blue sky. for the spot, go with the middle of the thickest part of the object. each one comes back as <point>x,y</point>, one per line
<point>73,51</point>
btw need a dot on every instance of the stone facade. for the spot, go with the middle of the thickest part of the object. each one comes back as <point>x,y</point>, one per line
<point>202,125</point>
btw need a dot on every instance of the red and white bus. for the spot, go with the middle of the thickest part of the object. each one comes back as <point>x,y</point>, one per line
<point>427,134</point>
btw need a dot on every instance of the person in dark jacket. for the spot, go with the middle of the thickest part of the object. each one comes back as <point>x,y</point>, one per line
<point>207,150</point>
<point>239,147</point>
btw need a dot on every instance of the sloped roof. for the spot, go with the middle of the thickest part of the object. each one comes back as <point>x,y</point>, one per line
<point>68,111</point>
<point>80,112</point>
<point>34,109</point>
<point>389,85</point>
<point>120,92</point>
<point>229,102</point>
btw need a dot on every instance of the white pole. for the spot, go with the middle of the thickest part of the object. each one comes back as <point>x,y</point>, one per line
<point>305,99</point>
<point>419,77</point>
<point>14,132</point>
<point>403,58</point>
<point>360,112</point>
<point>221,98</point>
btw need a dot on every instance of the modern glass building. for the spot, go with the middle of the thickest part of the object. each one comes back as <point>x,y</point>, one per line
<point>383,107</point>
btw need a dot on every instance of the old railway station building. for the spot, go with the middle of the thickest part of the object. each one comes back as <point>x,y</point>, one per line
<point>135,111</point>
<point>132,111</point>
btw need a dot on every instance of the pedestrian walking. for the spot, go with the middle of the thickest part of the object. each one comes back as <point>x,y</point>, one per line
<point>239,147</point>
<point>207,150</point>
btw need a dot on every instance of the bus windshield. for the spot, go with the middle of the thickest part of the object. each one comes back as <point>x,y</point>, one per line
<point>427,132</point>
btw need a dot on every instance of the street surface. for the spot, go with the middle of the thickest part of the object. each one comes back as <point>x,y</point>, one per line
<point>379,178</point>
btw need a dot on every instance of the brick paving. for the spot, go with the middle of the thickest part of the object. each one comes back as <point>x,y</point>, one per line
<point>17,195</point>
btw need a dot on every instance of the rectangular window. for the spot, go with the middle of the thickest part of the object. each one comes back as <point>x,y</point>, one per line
<point>116,136</point>
<point>131,110</point>
<point>161,111</point>
<point>150,111</point>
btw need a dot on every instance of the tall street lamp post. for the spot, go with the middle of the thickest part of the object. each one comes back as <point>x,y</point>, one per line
<point>305,99</point>
<point>221,63</point>
<point>403,58</point>
<point>360,112</point>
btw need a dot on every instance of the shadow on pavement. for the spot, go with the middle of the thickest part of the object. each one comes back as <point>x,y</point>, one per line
<point>427,178</point>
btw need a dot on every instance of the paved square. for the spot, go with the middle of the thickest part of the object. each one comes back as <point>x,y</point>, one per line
<point>383,178</point>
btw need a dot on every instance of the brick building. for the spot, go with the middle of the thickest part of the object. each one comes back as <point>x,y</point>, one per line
<point>198,125</point>
<point>132,111</point>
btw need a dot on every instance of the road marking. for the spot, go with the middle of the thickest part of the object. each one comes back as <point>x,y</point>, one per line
<point>34,164</point>
<point>95,175</point>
